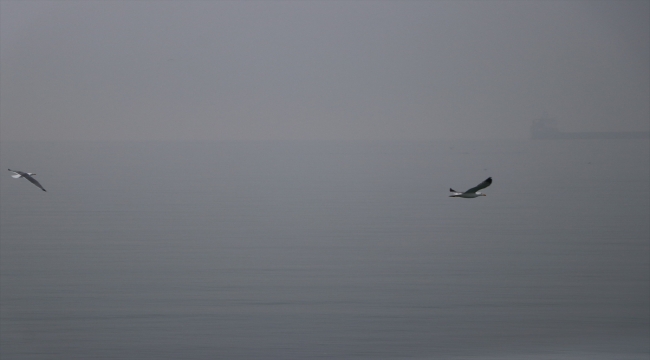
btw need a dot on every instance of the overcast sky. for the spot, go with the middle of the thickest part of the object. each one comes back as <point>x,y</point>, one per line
<point>208,70</point>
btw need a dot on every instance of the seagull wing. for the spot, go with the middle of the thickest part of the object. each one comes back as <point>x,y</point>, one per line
<point>480,186</point>
<point>33,181</point>
<point>17,174</point>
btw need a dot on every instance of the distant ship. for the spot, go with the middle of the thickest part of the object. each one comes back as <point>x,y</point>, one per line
<point>546,128</point>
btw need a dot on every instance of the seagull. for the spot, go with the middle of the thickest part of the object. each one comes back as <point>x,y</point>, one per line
<point>473,192</point>
<point>28,176</point>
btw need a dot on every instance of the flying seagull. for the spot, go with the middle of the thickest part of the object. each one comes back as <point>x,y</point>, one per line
<point>28,176</point>
<point>473,192</point>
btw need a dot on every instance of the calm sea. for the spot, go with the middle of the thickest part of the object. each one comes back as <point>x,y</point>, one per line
<point>326,250</point>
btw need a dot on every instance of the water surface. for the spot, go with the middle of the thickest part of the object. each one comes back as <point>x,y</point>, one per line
<point>342,250</point>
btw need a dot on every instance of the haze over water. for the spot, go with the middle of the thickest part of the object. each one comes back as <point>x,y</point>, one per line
<point>341,250</point>
<point>269,180</point>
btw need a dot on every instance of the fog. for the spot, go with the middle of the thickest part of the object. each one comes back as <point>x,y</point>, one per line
<point>326,250</point>
<point>270,180</point>
<point>330,70</point>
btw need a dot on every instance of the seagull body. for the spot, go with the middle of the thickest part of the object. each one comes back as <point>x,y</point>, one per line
<point>473,192</point>
<point>28,176</point>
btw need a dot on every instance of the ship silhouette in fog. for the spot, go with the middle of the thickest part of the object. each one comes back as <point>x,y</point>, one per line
<point>547,128</point>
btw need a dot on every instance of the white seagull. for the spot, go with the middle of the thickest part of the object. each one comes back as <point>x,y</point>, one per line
<point>28,176</point>
<point>473,192</point>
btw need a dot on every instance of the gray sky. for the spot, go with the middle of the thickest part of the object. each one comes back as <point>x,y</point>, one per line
<point>181,70</point>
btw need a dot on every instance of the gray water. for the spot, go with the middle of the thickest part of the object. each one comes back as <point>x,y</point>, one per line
<point>332,250</point>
